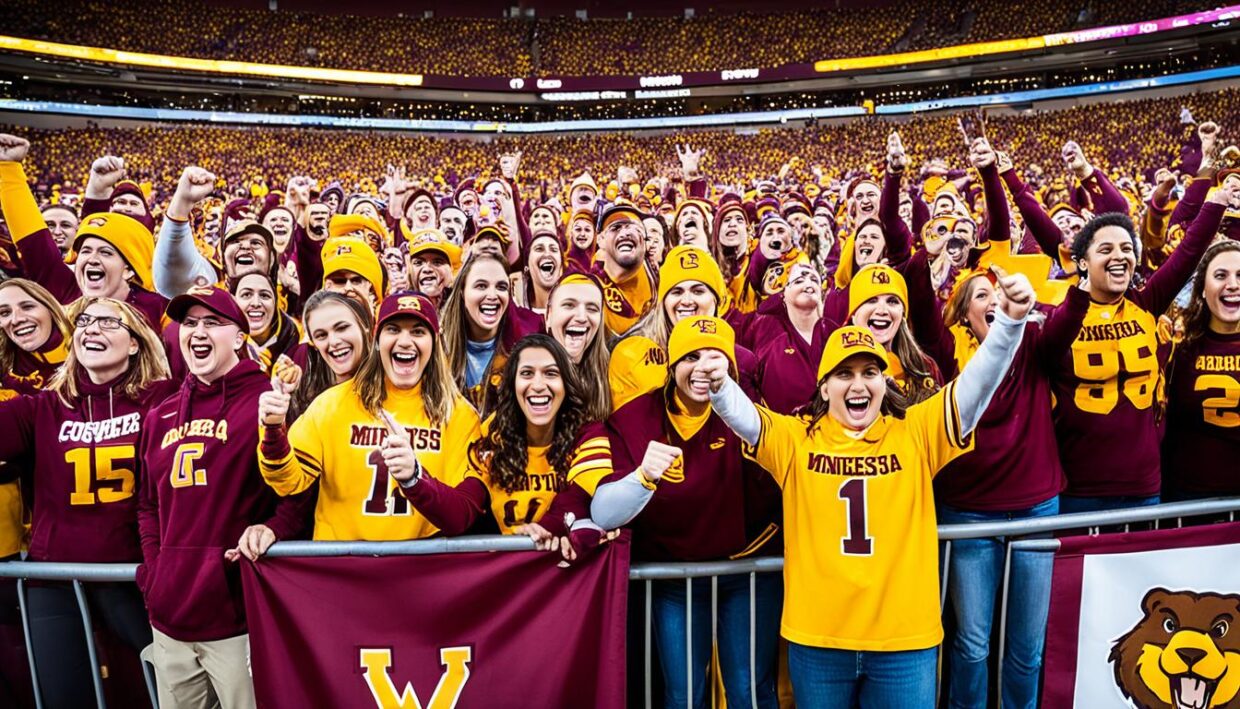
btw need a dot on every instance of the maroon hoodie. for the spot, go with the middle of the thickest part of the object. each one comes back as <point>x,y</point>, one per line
<point>201,489</point>
<point>85,492</point>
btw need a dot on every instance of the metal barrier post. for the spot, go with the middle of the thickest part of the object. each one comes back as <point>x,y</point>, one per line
<point>1003,612</point>
<point>34,671</point>
<point>753,640</point>
<point>95,672</point>
<point>689,639</point>
<point>649,621</point>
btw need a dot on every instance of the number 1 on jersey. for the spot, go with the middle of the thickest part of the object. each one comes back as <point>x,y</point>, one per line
<point>857,543</point>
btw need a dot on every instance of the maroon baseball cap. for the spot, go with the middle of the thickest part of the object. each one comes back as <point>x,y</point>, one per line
<point>408,303</point>
<point>217,300</point>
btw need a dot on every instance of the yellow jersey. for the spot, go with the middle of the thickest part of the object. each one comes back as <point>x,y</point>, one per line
<point>624,302</point>
<point>527,504</point>
<point>861,552</point>
<point>638,365</point>
<point>336,441</point>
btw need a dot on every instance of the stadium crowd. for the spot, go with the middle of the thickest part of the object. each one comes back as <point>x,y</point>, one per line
<point>465,46</point>
<point>815,342</point>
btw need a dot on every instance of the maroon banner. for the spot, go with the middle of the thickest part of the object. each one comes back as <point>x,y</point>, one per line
<point>439,631</point>
<point>1144,619</point>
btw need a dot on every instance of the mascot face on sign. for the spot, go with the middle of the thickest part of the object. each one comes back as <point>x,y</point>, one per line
<point>1183,654</point>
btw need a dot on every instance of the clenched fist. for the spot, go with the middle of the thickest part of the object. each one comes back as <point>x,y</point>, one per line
<point>659,457</point>
<point>12,148</point>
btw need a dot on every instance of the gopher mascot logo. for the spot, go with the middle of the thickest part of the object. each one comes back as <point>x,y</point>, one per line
<point>1183,653</point>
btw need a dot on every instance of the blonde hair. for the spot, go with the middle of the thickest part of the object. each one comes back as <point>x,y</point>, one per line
<point>60,322</point>
<point>656,326</point>
<point>439,391</point>
<point>146,366</point>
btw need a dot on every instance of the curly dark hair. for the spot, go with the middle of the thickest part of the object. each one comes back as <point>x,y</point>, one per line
<point>505,447</point>
<point>1085,237</point>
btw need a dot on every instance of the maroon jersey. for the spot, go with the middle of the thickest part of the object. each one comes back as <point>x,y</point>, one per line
<point>1201,451</point>
<point>85,505</point>
<point>201,489</point>
<point>1014,463</point>
<point>788,365</point>
<point>713,504</point>
<point>1105,418</point>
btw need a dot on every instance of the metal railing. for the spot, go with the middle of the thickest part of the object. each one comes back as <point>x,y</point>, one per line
<point>1012,532</point>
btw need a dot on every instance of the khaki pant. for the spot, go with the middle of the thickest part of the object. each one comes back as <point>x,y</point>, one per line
<point>203,675</point>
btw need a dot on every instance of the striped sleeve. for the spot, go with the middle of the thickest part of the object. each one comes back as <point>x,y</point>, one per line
<point>936,425</point>
<point>291,461</point>
<point>592,459</point>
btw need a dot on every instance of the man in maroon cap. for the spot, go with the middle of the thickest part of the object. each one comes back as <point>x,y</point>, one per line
<point>201,493</point>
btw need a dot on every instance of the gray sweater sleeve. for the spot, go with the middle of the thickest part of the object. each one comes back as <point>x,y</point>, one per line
<point>615,504</point>
<point>737,411</point>
<point>982,376</point>
<point>177,261</point>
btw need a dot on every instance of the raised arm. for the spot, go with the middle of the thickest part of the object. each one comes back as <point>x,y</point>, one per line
<point>998,224</point>
<point>1167,281</point>
<point>981,377</point>
<point>178,265</point>
<point>1037,221</point>
<point>40,258</point>
<point>899,236</point>
<point>286,469</point>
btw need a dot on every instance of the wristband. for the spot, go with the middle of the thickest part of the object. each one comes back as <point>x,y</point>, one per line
<point>647,482</point>
<point>413,479</point>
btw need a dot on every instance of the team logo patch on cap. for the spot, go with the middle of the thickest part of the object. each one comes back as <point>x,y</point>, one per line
<point>342,249</point>
<point>706,327</point>
<point>97,221</point>
<point>856,339</point>
<point>409,302</point>
<point>689,260</point>
<point>880,276</point>
<point>200,290</point>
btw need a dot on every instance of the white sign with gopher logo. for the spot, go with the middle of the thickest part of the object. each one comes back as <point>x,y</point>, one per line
<point>1148,620</point>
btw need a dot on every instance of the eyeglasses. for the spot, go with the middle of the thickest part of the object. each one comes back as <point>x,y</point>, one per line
<point>105,322</point>
<point>208,323</point>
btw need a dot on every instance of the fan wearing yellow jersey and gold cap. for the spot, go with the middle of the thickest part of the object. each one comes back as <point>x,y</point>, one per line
<point>401,412</point>
<point>859,519</point>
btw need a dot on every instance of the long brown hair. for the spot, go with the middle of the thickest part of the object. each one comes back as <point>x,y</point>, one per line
<point>146,366</point>
<point>455,323</point>
<point>592,372</point>
<point>958,304</point>
<point>1197,314</point>
<point>439,392</point>
<point>319,377</point>
<point>505,448</point>
<point>919,385</point>
<point>60,322</point>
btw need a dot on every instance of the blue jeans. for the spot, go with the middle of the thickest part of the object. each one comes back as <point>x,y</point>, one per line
<point>974,577</point>
<point>826,678</point>
<point>1069,504</point>
<point>668,611</point>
